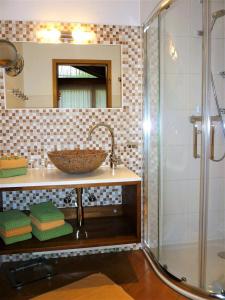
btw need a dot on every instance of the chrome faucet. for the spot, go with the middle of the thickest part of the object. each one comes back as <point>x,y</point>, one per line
<point>112,158</point>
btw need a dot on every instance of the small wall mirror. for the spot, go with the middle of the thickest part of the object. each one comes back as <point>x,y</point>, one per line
<point>66,76</point>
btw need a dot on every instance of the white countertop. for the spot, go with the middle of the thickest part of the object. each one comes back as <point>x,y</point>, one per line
<point>54,177</point>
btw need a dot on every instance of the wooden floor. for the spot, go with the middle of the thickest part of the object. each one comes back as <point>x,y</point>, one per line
<point>130,270</point>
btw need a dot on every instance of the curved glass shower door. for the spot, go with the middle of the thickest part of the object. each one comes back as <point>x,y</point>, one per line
<point>184,182</point>
<point>180,135</point>
<point>215,259</point>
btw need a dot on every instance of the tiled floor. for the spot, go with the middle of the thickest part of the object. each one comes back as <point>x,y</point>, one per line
<point>131,270</point>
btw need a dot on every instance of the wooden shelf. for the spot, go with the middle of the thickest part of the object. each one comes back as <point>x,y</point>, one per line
<point>104,228</point>
<point>101,232</point>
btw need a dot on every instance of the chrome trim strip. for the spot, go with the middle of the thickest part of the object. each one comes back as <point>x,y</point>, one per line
<point>205,145</point>
<point>184,289</point>
<point>145,138</point>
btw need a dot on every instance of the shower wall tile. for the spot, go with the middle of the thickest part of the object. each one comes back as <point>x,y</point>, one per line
<point>179,14</point>
<point>183,199</point>
<point>34,132</point>
<point>180,228</point>
<point>195,93</point>
<point>216,192</point>
<point>217,55</point>
<point>176,63</point>
<point>195,56</point>
<point>176,128</point>
<point>176,92</point>
<point>196,17</point>
<point>180,164</point>
<point>217,169</point>
<point>216,225</point>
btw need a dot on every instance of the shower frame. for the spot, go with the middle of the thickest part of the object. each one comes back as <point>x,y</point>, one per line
<point>185,289</point>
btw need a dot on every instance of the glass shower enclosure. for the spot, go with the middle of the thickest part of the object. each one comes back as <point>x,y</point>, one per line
<point>184,141</point>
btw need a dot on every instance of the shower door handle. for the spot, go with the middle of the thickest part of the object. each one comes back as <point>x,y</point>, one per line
<point>212,141</point>
<point>195,141</point>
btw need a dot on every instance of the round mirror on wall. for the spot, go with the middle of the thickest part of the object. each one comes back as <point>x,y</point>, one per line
<point>10,59</point>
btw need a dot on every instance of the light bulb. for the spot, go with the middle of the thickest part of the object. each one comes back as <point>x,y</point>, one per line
<point>49,35</point>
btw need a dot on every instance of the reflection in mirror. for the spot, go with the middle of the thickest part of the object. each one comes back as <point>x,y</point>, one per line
<point>66,76</point>
<point>10,59</point>
<point>82,83</point>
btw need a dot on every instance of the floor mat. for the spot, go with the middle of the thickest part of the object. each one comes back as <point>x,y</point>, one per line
<point>94,287</point>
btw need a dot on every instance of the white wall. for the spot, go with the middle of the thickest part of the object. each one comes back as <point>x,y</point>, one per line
<point>121,12</point>
<point>146,7</point>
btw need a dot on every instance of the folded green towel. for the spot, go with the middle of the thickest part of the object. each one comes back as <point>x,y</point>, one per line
<point>52,233</point>
<point>46,212</point>
<point>12,172</point>
<point>16,239</point>
<point>11,219</point>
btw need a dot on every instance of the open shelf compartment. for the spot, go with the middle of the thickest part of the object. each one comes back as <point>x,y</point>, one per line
<point>103,229</point>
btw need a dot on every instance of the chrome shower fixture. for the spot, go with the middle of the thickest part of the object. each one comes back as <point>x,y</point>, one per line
<point>222,74</point>
<point>10,59</point>
<point>217,14</point>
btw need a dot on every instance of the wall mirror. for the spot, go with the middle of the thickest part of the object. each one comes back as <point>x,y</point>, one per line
<point>66,76</point>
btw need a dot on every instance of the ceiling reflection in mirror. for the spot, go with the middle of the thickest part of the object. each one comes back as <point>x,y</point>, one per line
<point>66,76</point>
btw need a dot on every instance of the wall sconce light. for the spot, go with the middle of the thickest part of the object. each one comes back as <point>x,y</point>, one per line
<point>10,59</point>
<point>49,35</point>
<point>77,36</point>
<point>66,36</point>
<point>82,37</point>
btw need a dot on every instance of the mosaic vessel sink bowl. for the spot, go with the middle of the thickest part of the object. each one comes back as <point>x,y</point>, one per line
<point>77,161</point>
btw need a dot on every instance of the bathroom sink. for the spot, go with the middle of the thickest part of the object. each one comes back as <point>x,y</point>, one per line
<point>77,161</point>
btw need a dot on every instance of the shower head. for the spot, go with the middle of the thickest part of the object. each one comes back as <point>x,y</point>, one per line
<point>217,14</point>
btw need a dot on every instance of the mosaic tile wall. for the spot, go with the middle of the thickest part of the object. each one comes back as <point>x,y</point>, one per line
<point>22,200</point>
<point>34,132</point>
<point>68,253</point>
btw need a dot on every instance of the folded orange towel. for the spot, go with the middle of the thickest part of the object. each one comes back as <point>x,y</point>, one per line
<point>46,225</point>
<point>12,162</point>
<point>15,231</point>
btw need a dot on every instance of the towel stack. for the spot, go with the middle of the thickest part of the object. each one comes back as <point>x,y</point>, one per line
<point>48,221</point>
<point>12,166</point>
<point>15,226</point>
